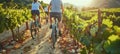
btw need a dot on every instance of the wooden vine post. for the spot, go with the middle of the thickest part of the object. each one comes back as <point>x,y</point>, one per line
<point>27,27</point>
<point>99,20</point>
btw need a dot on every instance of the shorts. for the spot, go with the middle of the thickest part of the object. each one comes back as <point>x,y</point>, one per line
<point>57,15</point>
<point>35,12</point>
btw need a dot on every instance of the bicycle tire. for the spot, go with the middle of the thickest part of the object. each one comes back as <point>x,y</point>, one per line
<point>33,30</point>
<point>53,36</point>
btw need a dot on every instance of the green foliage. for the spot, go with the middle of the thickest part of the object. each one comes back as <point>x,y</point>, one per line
<point>117,29</point>
<point>86,40</point>
<point>2,19</point>
<point>99,48</point>
<point>116,21</point>
<point>93,30</point>
<point>108,22</point>
<point>112,45</point>
<point>86,31</point>
<point>113,14</point>
<point>86,15</point>
<point>12,18</point>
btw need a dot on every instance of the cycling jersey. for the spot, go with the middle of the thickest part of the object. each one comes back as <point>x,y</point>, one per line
<point>56,5</point>
<point>35,6</point>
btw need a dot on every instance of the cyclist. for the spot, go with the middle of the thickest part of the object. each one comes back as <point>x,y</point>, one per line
<point>35,10</point>
<point>57,9</point>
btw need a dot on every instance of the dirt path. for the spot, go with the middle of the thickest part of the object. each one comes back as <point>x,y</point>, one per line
<point>43,45</point>
<point>40,45</point>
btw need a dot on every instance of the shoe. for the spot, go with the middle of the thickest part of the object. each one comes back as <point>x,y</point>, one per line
<point>50,26</point>
<point>60,34</point>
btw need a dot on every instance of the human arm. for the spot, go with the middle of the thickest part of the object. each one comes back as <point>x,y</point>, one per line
<point>62,8</point>
<point>49,7</point>
<point>42,8</point>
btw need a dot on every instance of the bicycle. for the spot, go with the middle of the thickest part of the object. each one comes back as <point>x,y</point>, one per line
<point>55,31</point>
<point>34,27</point>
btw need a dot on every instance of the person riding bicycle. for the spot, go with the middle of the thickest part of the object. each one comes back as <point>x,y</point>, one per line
<point>35,10</point>
<point>57,9</point>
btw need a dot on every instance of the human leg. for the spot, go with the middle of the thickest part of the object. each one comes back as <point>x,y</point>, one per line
<point>59,23</point>
<point>39,20</point>
<point>51,15</point>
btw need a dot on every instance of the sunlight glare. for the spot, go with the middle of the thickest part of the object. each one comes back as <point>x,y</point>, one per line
<point>82,2</point>
<point>74,2</point>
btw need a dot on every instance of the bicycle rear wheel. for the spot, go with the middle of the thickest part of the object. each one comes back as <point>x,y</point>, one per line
<point>33,30</point>
<point>54,36</point>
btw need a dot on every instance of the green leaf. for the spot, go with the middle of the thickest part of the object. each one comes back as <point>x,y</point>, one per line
<point>112,44</point>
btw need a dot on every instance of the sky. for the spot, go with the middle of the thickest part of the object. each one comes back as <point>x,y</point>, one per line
<point>74,2</point>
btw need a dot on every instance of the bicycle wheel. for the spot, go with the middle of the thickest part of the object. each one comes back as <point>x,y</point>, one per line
<point>32,30</point>
<point>54,35</point>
